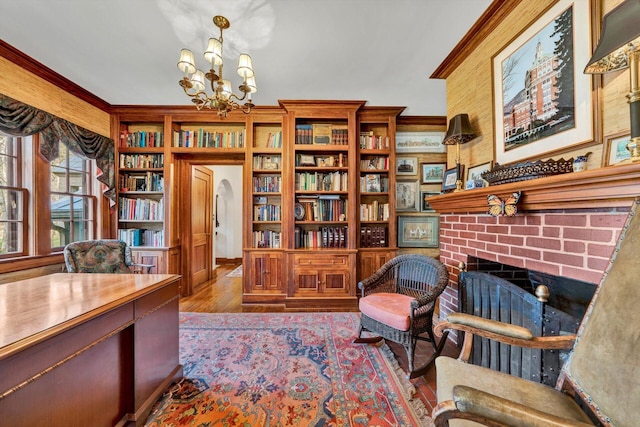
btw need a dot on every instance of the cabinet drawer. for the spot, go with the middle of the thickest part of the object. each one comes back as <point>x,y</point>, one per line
<point>340,261</point>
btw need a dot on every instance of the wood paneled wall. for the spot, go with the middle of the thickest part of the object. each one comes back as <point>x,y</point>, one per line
<point>469,88</point>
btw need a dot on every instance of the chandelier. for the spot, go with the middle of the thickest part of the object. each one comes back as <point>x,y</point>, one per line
<point>222,98</point>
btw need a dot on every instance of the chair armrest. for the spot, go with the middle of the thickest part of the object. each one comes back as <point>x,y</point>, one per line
<point>477,405</point>
<point>501,332</point>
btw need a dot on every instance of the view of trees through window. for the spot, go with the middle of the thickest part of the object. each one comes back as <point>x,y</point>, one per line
<point>72,206</point>
<point>11,196</point>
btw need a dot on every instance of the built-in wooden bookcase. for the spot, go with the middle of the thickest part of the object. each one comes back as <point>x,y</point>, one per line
<point>141,207</point>
<point>321,183</point>
<point>376,219</point>
<point>263,260</point>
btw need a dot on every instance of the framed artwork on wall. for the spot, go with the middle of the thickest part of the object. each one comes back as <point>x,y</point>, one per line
<point>425,206</point>
<point>432,173</point>
<point>406,166</point>
<point>543,102</point>
<point>475,172</point>
<point>615,149</point>
<point>418,231</point>
<point>420,142</point>
<point>407,194</point>
<point>450,178</point>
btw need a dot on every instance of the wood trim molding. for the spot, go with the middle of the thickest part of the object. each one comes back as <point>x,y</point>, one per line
<point>488,21</point>
<point>609,187</point>
<point>28,63</point>
<point>421,120</point>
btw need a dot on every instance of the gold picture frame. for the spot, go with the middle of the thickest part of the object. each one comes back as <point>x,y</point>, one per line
<point>615,148</point>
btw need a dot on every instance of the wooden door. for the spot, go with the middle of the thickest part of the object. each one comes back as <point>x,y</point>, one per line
<point>201,218</point>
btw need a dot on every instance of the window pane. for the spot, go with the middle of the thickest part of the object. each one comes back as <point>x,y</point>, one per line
<point>8,161</point>
<point>59,234</point>
<point>58,179</point>
<point>10,221</point>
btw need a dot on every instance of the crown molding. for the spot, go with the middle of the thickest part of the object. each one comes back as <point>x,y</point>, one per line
<point>28,63</point>
<point>488,21</point>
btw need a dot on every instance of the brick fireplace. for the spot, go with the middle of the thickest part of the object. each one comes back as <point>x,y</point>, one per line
<point>567,225</point>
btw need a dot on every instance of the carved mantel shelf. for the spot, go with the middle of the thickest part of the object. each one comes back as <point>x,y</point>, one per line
<point>608,187</point>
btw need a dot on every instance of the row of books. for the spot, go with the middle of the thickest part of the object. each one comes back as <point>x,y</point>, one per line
<point>373,142</point>
<point>332,161</point>
<point>140,209</point>
<point>150,181</point>
<point>141,161</point>
<point>141,139</point>
<point>333,181</point>
<point>380,163</point>
<point>204,139</point>
<point>267,183</point>
<point>266,239</point>
<point>266,213</point>
<point>374,183</point>
<point>321,133</point>
<point>324,208</point>
<point>374,211</point>
<point>267,162</point>
<point>274,140</point>
<point>141,237</point>
<point>326,237</point>
<point>373,237</point>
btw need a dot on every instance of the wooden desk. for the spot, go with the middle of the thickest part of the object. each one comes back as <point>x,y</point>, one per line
<point>87,349</point>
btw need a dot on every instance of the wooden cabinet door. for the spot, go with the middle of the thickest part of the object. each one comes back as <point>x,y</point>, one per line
<point>155,258</point>
<point>265,272</point>
<point>371,261</point>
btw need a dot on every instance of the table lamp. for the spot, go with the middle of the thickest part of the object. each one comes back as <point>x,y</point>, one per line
<point>459,132</point>
<point>618,49</point>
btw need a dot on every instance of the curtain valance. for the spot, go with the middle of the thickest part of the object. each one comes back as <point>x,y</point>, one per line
<point>20,119</point>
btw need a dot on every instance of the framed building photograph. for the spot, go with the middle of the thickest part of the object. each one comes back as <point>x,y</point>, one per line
<point>475,172</point>
<point>450,178</point>
<point>425,206</point>
<point>420,142</point>
<point>407,194</point>
<point>615,149</point>
<point>543,101</point>
<point>418,231</point>
<point>406,165</point>
<point>432,173</point>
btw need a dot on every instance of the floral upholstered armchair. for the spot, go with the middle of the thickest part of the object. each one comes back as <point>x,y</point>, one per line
<point>101,256</point>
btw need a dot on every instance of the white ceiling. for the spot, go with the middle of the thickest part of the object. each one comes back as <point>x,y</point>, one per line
<point>125,51</point>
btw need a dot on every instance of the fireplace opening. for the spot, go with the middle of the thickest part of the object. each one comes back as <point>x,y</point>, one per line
<point>560,315</point>
<point>568,295</point>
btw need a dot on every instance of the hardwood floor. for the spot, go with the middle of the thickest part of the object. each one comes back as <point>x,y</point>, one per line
<point>224,295</point>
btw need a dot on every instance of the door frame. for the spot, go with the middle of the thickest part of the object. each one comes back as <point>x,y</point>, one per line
<point>182,214</point>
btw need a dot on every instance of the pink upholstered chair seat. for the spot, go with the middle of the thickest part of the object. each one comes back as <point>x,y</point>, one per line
<point>391,309</point>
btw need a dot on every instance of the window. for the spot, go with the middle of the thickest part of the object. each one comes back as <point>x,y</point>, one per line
<point>72,204</point>
<point>12,198</point>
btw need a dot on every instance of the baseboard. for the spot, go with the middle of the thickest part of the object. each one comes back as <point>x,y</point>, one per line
<point>222,261</point>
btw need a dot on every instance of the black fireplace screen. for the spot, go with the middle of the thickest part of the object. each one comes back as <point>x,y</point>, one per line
<point>506,293</point>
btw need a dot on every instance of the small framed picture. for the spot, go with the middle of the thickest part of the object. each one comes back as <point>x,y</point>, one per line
<point>407,166</point>
<point>420,142</point>
<point>450,178</point>
<point>424,195</point>
<point>432,173</point>
<point>418,231</point>
<point>475,172</point>
<point>615,149</point>
<point>407,194</point>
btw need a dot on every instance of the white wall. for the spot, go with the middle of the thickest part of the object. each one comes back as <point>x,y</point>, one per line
<point>227,185</point>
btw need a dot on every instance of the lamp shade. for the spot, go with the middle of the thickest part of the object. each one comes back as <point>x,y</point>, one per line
<point>620,29</point>
<point>459,131</point>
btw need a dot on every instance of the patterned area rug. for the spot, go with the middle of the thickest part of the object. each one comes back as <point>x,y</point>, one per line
<point>285,369</point>
<point>237,272</point>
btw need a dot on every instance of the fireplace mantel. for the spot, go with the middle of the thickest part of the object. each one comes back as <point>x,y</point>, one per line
<point>608,187</point>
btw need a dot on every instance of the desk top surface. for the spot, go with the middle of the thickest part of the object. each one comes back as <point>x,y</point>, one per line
<point>33,309</point>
